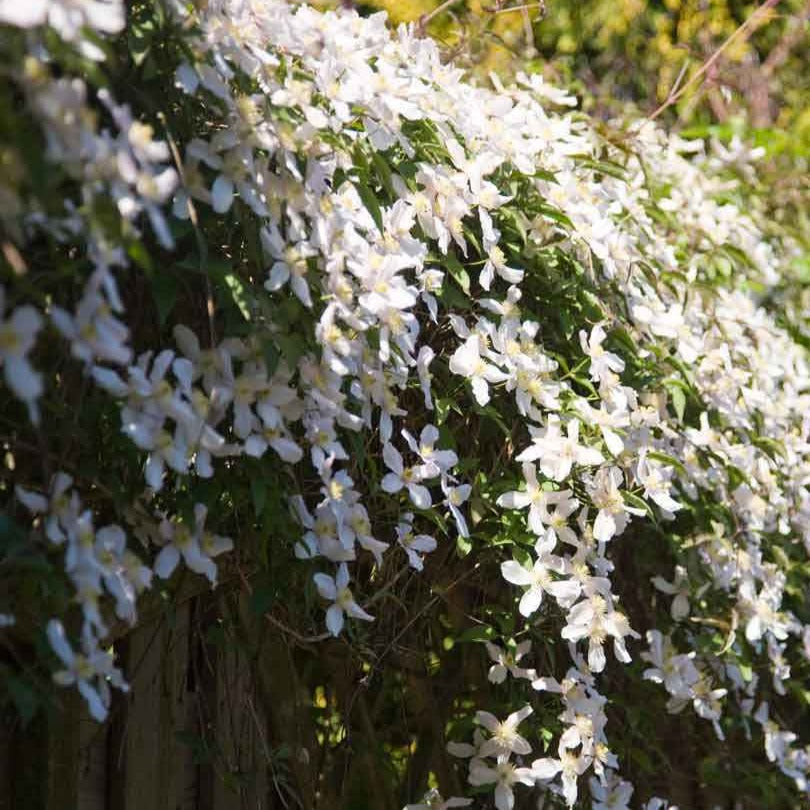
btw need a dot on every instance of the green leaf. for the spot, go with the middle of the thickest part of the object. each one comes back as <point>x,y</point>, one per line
<point>639,503</point>
<point>258,491</point>
<point>463,546</point>
<point>371,202</point>
<point>164,291</point>
<point>480,632</point>
<point>678,400</point>
<point>25,699</point>
<point>239,293</point>
<point>457,271</point>
<point>293,347</point>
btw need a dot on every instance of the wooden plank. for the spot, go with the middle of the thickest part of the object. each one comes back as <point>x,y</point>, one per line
<point>179,777</point>
<point>142,754</point>
<point>92,778</point>
<point>158,772</point>
<point>240,726</point>
<point>63,752</point>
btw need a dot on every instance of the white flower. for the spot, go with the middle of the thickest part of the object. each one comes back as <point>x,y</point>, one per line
<point>602,361</point>
<point>455,496</point>
<point>402,476</point>
<point>272,432</point>
<point>538,499</point>
<point>17,338</point>
<point>60,509</point>
<point>414,544</point>
<point>337,591</point>
<point>614,795</point>
<point>505,738</point>
<point>90,670</point>
<point>593,619</point>
<point>539,578</point>
<point>571,765</point>
<point>613,515</point>
<point>496,263</point>
<point>467,362</point>
<point>677,672</point>
<point>94,332</point>
<point>679,588</point>
<point>435,461</point>
<point>506,661</point>
<point>505,775</point>
<point>558,453</point>
<point>290,264</point>
<point>653,477</point>
<point>197,547</point>
<point>423,361</point>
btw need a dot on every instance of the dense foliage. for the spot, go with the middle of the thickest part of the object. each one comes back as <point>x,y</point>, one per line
<point>289,303</point>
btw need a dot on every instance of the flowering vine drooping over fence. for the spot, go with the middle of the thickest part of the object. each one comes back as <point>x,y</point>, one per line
<point>425,242</point>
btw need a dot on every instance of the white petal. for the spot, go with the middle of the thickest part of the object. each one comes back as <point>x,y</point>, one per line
<point>59,642</point>
<point>546,768</point>
<point>512,571</point>
<point>530,601</point>
<point>326,586</point>
<point>166,562</point>
<point>22,379</point>
<point>222,194</point>
<point>23,13</point>
<point>334,620</point>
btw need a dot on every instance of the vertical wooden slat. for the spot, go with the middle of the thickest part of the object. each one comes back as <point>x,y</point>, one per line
<point>142,726</point>
<point>92,786</point>
<point>241,730</point>
<point>7,733</point>
<point>176,714</point>
<point>158,772</point>
<point>63,752</point>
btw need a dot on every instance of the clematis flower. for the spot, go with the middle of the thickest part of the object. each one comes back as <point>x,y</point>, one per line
<point>539,577</point>
<point>197,547</point>
<point>505,775</point>
<point>613,515</point>
<point>679,588</point>
<point>558,453</point>
<point>467,362</point>
<point>290,265</point>
<point>602,361</point>
<point>455,496</point>
<point>337,591</point>
<point>68,18</point>
<point>538,500</point>
<point>60,509</point>
<point>401,476</point>
<point>592,618</point>
<point>93,331</point>
<point>570,765</point>
<point>434,461</point>
<point>415,545</point>
<point>90,669</point>
<point>17,338</point>
<point>506,661</point>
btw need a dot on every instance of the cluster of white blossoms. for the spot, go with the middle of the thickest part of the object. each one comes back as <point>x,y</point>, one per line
<point>601,442</point>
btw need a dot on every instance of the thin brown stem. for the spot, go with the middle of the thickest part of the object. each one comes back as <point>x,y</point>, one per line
<point>744,28</point>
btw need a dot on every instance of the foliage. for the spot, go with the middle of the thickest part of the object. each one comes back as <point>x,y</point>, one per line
<point>383,334</point>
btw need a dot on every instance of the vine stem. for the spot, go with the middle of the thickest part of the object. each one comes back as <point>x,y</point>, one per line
<point>675,93</point>
<point>426,18</point>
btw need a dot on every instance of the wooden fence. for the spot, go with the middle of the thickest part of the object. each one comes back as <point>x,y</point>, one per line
<point>194,732</point>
